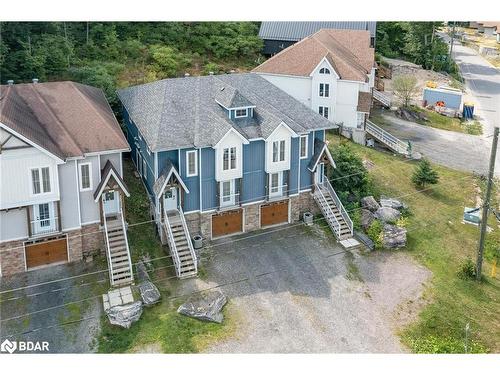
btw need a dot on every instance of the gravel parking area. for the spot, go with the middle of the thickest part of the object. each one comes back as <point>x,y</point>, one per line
<point>38,306</point>
<point>295,290</point>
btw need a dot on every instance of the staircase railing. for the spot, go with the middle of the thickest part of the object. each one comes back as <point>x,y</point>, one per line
<point>126,244</point>
<point>188,238</point>
<point>340,206</point>
<point>327,211</point>
<point>384,99</point>
<point>387,138</point>
<point>171,243</point>
<point>108,252</point>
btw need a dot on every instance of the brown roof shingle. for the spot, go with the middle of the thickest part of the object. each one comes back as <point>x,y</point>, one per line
<point>66,118</point>
<point>348,51</point>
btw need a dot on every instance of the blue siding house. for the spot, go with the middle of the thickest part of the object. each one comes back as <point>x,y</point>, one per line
<point>224,154</point>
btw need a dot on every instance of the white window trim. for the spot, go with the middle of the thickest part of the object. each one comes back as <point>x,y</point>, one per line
<point>229,158</point>
<point>306,136</point>
<point>278,149</point>
<point>323,114</point>
<point>240,109</point>
<point>41,193</point>
<point>279,192</point>
<point>195,173</point>
<point>81,176</point>
<point>324,90</point>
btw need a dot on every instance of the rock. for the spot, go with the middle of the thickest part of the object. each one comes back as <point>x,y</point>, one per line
<point>393,237</point>
<point>365,240</point>
<point>387,214</point>
<point>205,307</point>
<point>125,315</point>
<point>149,293</point>
<point>370,203</point>
<point>366,218</point>
<point>391,202</point>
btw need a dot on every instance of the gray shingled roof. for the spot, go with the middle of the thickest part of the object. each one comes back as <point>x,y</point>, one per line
<point>294,31</point>
<point>183,112</point>
<point>229,97</point>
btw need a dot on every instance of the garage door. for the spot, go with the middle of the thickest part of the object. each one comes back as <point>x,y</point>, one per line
<point>227,223</point>
<point>47,252</point>
<point>274,213</point>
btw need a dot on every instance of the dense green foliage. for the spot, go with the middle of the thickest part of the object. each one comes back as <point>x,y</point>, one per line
<point>424,175</point>
<point>114,54</point>
<point>414,41</point>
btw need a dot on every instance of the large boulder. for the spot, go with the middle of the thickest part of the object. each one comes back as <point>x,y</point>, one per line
<point>392,203</point>
<point>387,214</point>
<point>206,306</point>
<point>367,218</point>
<point>125,315</point>
<point>393,237</point>
<point>149,292</point>
<point>365,240</point>
<point>370,203</point>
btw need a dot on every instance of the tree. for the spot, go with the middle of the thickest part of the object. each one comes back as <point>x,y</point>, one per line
<point>405,88</point>
<point>350,175</point>
<point>424,175</point>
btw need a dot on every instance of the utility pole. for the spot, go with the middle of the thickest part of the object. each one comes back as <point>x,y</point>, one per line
<point>486,205</point>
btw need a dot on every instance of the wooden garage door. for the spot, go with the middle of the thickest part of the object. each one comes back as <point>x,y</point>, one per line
<point>274,213</point>
<point>47,252</point>
<point>227,223</point>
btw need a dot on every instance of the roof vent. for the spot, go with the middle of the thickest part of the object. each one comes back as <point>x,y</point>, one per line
<point>211,73</point>
<point>35,80</point>
<point>186,74</point>
<point>222,89</point>
<point>10,82</point>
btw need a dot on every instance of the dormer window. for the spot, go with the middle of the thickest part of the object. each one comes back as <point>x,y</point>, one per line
<point>324,71</point>
<point>242,112</point>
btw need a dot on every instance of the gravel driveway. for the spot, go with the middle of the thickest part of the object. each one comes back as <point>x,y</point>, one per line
<point>35,313</point>
<point>296,290</point>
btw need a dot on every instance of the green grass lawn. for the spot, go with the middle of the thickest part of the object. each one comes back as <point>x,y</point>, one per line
<point>438,239</point>
<point>161,328</point>
<point>439,121</point>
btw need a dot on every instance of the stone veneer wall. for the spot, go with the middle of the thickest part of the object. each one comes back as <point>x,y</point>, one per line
<point>200,223</point>
<point>84,242</point>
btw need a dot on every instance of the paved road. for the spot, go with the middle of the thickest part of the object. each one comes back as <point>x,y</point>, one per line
<point>482,81</point>
<point>301,293</point>
<point>455,150</point>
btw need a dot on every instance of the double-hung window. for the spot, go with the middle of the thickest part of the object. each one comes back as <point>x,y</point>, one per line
<point>324,90</point>
<point>192,163</point>
<point>241,113</point>
<point>40,179</point>
<point>229,158</point>
<point>278,151</point>
<point>303,146</point>
<point>85,177</point>
<point>323,111</point>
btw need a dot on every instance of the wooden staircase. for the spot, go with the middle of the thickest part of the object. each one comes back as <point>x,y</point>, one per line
<point>382,98</point>
<point>179,242</point>
<point>387,139</point>
<point>118,253</point>
<point>334,212</point>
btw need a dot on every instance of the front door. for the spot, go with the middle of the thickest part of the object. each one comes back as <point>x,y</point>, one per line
<point>111,202</point>
<point>44,218</point>
<point>320,171</point>
<point>170,198</point>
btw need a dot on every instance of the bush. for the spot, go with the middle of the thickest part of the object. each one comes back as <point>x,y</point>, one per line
<point>467,270</point>
<point>424,175</point>
<point>375,233</point>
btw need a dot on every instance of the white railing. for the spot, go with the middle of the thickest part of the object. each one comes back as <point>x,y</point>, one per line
<point>387,138</point>
<point>188,238</point>
<point>327,211</point>
<point>126,244</point>
<point>382,98</point>
<point>233,201</point>
<point>281,191</point>
<point>171,243</point>
<point>44,226</point>
<point>108,252</point>
<point>340,206</point>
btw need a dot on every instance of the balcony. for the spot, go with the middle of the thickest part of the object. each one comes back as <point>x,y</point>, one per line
<point>229,201</point>
<point>277,192</point>
<point>43,227</point>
